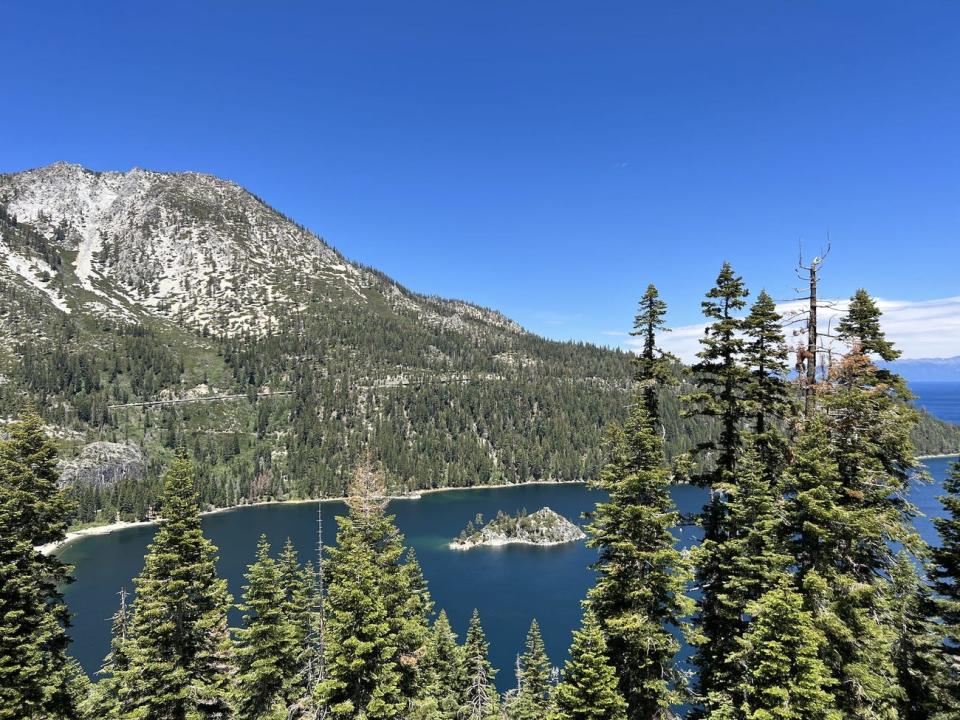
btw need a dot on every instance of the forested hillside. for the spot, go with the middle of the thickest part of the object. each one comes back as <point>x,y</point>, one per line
<point>126,288</point>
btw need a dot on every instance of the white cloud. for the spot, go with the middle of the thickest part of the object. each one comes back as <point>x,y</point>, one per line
<point>924,329</point>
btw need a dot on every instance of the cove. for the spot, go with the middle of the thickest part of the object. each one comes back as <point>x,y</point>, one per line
<point>509,585</point>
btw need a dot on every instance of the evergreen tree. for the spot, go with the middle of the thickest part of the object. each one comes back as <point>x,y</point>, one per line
<point>769,397</point>
<point>362,676</point>
<point>267,641</point>
<point>721,381</point>
<point>719,375</point>
<point>748,564</point>
<point>479,700</point>
<point>652,364</point>
<point>860,326</point>
<point>104,698</point>
<point>641,576</point>
<point>35,676</point>
<point>301,613</point>
<point>850,472</point>
<point>945,572</point>
<point>588,690</point>
<point>531,701</point>
<point>784,677</point>
<point>921,671</point>
<point>180,664</point>
<point>444,669</point>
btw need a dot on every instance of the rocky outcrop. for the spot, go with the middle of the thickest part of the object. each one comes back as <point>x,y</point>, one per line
<point>544,527</point>
<point>103,463</point>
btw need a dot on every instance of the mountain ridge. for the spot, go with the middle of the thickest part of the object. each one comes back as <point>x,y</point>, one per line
<point>119,289</point>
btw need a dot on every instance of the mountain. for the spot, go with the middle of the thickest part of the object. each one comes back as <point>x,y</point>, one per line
<point>929,369</point>
<point>121,293</point>
<point>122,288</point>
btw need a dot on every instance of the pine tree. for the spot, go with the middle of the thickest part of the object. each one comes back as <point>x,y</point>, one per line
<point>35,675</point>
<point>180,662</point>
<point>747,564</point>
<point>783,675</point>
<point>721,381</point>
<point>531,701</point>
<point>921,672</point>
<point>768,395</point>
<point>851,469</point>
<point>479,698</point>
<point>719,375</point>
<point>267,641</point>
<point>443,670</point>
<point>945,572</point>
<point>860,326</point>
<point>588,690</point>
<point>104,698</point>
<point>362,675</point>
<point>301,613</point>
<point>652,364</point>
<point>641,575</point>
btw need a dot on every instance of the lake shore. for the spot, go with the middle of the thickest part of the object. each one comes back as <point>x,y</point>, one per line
<point>110,528</point>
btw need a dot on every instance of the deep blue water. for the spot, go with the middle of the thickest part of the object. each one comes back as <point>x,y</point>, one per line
<point>941,399</point>
<point>509,585</point>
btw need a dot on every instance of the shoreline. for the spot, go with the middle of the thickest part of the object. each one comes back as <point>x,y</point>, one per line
<point>501,543</point>
<point>110,528</point>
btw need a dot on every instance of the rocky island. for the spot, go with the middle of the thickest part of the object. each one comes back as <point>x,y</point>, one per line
<point>544,527</point>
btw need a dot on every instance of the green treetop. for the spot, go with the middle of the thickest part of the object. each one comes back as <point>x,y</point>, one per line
<point>180,663</point>
<point>588,690</point>
<point>641,575</point>
<point>861,327</point>
<point>443,671</point>
<point>783,676</point>
<point>719,375</point>
<point>652,364</point>
<point>479,700</point>
<point>532,697</point>
<point>267,641</point>
<point>769,396</point>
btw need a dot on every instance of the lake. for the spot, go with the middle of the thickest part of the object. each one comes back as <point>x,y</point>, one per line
<point>941,399</point>
<point>509,585</point>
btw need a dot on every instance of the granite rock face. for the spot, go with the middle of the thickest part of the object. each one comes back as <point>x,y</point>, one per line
<point>102,464</point>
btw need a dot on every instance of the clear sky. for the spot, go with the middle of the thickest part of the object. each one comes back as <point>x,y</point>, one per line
<point>548,159</point>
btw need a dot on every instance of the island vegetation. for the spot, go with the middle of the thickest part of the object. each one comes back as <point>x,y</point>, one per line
<point>544,527</point>
<point>815,597</point>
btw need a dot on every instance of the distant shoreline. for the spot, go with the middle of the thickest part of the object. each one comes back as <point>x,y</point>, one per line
<point>110,528</point>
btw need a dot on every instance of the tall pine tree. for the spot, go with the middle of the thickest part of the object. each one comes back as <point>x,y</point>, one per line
<point>179,650</point>
<point>641,575</point>
<point>266,642</point>
<point>479,698</point>
<point>34,669</point>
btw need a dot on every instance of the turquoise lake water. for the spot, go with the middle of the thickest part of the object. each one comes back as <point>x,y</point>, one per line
<point>509,585</point>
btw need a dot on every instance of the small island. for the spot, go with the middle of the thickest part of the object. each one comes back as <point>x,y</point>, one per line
<point>544,527</point>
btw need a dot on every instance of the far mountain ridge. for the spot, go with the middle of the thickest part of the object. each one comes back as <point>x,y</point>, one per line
<point>928,369</point>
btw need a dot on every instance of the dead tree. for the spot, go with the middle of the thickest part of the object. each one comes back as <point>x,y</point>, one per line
<point>807,354</point>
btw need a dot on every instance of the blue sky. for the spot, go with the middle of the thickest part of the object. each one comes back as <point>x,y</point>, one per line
<point>548,159</point>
